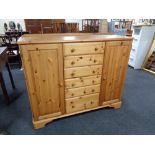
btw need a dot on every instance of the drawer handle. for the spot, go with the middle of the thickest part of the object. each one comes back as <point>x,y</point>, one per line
<point>37,49</point>
<point>72,94</point>
<point>73,106</point>
<point>95,61</point>
<point>72,63</point>
<point>72,50</point>
<point>84,92</point>
<point>61,84</point>
<point>73,84</point>
<point>93,90</point>
<point>96,49</point>
<point>121,43</point>
<point>91,102</point>
<point>72,74</point>
<point>93,72</point>
<point>93,81</point>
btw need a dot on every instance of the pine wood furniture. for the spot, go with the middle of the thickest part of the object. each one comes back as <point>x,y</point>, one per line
<point>70,74</point>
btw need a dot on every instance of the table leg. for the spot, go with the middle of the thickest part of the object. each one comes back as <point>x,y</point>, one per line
<point>10,75</point>
<point>4,88</point>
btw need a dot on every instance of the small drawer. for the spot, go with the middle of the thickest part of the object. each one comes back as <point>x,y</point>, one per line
<point>83,60</point>
<point>83,71</point>
<point>82,81</point>
<point>81,91</point>
<point>83,48</point>
<point>118,43</point>
<point>81,103</point>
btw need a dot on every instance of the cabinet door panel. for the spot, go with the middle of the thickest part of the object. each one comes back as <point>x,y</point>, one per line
<point>114,70</point>
<point>43,64</point>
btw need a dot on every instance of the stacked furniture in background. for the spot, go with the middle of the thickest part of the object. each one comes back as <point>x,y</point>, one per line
<point>103,26</point>
<point>142,39</point>
<point>9,40</point>
<point>90,25</point>
<point>40,26</point>
<point>150,64</point>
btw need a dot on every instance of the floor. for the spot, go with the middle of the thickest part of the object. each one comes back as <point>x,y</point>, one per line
<point>136,116</point>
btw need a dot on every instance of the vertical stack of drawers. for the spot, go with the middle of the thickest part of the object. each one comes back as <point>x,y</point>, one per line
<point>82,72</point>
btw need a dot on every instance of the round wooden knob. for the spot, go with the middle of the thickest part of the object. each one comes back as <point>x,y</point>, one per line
<point>93,72</point>
<point>95,61</point>
<point>72,50</point>
<point>72,63</point>
<point>84,92</point>
<point>73,106</point>
<point>61,84</point>
<point>96,49</point>
<point>37,49</point>
<point>73,84</point>
<point>92,90</point>
<point>72,94</point>
<point>91,102</point>
<point>72,74</point>
<point>93,81</point>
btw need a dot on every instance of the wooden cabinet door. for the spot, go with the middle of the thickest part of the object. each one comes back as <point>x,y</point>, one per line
<point>44,75</point>
<point>114,70</point>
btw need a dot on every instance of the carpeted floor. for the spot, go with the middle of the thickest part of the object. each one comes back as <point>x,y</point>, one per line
<point>137,115</point>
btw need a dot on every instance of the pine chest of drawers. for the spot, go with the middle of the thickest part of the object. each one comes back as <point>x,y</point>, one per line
<point>67,74</point>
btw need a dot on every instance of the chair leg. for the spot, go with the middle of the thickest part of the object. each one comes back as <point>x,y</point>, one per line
<point>5,93</point>
<point>10,75</point>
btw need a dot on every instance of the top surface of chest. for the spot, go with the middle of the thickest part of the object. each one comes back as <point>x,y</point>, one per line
<point>68,38</point>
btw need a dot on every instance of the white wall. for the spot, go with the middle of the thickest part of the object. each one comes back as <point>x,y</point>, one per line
<point>2,21</point>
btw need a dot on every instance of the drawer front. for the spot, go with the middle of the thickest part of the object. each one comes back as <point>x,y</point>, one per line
<point>83,71</point>
<point>83,48</point>
<point>82,81</point>
<point>118,43</point>
<point>83,60</point>
<point>69,93</point>
<point>81,103</point>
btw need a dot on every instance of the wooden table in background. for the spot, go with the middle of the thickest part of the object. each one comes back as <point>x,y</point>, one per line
<point>3,63</point>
